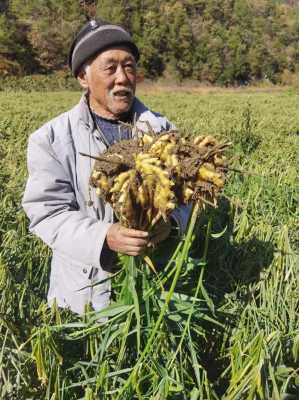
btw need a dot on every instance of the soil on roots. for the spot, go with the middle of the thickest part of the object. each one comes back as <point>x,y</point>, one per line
<point>118,158</point>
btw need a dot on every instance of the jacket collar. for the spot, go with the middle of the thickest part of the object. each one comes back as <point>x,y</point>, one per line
<point>85,113</point>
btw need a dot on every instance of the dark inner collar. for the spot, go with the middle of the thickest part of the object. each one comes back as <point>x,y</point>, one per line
<point>127,118</point>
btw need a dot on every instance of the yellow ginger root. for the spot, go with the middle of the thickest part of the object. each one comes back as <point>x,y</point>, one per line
<point>172,163</point>
<point>147,139</point>
<point>120,181</point>
<point>220,160</point>
<point>162,146</point>
<point>208,140</point>
<point>162,199</point>
<point>144,179</point>
<point>167,151</point>
<point>142,160</point>
<point>96,175</point>
<point>198,139</point>
<point>143,195</point>
<point>207,174</point>
<point>187,193</point>
<point>126,210</point>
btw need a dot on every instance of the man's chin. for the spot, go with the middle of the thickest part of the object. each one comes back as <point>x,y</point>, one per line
<point>122,108</point>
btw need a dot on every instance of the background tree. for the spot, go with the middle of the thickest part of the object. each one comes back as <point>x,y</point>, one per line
<point>179,40</point>
<point>50,28</point>
<point>89,8</point>
<point>16,54</point>
<point>217,41</point>
<point>8,48</point>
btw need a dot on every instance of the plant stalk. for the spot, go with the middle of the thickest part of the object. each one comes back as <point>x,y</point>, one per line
<point>180,263</point>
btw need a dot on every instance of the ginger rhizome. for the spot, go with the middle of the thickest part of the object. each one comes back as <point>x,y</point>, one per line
<point>145,178</point>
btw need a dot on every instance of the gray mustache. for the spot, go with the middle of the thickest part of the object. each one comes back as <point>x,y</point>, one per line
<point>125,90</point>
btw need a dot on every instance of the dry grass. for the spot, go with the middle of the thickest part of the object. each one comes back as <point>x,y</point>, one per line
<point>195,87</point>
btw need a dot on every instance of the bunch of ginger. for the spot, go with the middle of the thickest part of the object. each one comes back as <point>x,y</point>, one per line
<point>144,179</point>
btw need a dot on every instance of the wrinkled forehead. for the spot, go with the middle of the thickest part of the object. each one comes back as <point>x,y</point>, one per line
<point>115,53</point>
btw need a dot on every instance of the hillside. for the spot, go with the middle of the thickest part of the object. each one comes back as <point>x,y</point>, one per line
<point>213,41</point>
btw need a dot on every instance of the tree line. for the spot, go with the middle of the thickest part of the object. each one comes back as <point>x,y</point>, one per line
<point>215,41</point>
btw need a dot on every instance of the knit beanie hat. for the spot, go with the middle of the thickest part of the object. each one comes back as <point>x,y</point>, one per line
<point>95,36</point>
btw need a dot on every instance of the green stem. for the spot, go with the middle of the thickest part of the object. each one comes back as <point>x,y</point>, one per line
<point>180,263</point>
<point>164,279</point>
<point>199,285</point>
<point>129,293</point>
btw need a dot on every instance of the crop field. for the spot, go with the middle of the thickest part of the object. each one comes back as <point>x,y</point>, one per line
<point>217,314</point>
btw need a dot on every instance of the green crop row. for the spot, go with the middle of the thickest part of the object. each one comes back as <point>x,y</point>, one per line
<point>39,83</point>
<point>219,318</point>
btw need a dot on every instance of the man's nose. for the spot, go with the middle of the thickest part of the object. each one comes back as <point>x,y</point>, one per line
<point>120,75</point>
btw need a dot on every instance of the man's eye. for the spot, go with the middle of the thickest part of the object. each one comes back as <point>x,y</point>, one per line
<point>130,67</point>
<point>110,68</point>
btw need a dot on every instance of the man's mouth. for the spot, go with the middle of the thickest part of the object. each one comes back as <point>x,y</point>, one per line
<point>123,94</point>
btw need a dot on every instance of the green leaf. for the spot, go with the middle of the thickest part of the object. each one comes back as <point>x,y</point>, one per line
<point>219,234</point>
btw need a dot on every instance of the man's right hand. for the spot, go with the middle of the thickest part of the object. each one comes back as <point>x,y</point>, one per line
<point>126,241</point>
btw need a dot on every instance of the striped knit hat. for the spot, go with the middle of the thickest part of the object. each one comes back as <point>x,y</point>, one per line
<point>95,36</point>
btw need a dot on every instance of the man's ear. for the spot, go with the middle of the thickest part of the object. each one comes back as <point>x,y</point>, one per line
<point>82,79</point>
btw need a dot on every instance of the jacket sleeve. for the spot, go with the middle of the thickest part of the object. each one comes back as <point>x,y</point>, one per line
<point>50,203</point>
<point>181,217</point>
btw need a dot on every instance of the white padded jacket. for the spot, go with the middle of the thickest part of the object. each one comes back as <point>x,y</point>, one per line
<point>57,202</point>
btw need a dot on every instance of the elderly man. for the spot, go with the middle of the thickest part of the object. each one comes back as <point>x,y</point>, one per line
<point>63,209</point>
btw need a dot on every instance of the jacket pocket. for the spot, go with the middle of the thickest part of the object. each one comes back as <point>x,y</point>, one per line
<point>74,275</point>
<point>70,283</point>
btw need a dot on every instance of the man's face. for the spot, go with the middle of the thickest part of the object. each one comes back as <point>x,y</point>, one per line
<point>111,81</point>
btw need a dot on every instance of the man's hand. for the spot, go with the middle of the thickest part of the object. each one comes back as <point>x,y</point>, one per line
<point>159,233</point>
<point>126,241</point>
